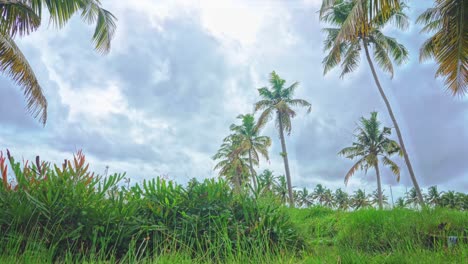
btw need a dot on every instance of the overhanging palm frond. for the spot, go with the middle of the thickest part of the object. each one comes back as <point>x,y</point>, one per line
<point>448,20</point>
<point>17,18</point>
<point>393,167</point>
<point>358,165</point>
<point>15,65</point>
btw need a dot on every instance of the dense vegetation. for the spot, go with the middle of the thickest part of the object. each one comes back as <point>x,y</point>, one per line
<point>66,213</point>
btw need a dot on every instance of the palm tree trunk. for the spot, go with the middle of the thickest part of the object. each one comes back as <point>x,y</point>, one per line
<point>397,128</point>
<point>286,163</point>
<point>379,185</point>
<point>252,172</point>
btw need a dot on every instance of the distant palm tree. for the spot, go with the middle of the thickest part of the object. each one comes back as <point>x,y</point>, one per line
<point>278,101</point>
<point>372,143</point>
<point>400,202</point>
<point>251,142</point>
<point>342,200</point>
<point>231,164</point>
<point>267,180</point>
<point>452,200</point>
<point>360,200</point>
<point>433,196</point>
<point>412,198</point>
<point>318,194</point>
<point>375,198</point>
<point>281,188</point>
<point>448,19</point>
<point>22,17</point>
<point>328,199</point>
<point>303,198</point>
<point>344,43</point>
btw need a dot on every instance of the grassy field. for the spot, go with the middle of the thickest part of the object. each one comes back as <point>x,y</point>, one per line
<point>65,214</point>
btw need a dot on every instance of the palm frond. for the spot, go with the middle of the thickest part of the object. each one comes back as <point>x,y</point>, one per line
<point>393,167</point>
<point>354,168</point>
<point>17,18</point>
<point>15,65</point>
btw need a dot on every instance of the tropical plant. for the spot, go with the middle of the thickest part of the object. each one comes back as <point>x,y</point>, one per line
<point>342,200</point>
<point>278,101</point>
<point>372,143</point>
<point>251,142</point>
<point>267,179</point>
<point>400,202</point>
<point>318,194</point>
<point>360,200</point>
<point>433,196</point>
<point>303,198</point>
<point>412,198</point>
<point>375,198</point>
<point>328,199</point>
<point>232,165</point>
<point>20,18</point>
<point>448,20</point>
<point>453,200</point>
<point>344,42</point>
<point>281,189</point>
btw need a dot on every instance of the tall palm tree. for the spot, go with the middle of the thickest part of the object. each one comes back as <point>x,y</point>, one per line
<point>448,20</point>
<point>342,200</point>
<point>344,45</point>
<point>232,165</point>
<point>360,200</point>
<point>251,142</point>
<point>372,143</point>
<point>20,18</point>
<point>278,101</point>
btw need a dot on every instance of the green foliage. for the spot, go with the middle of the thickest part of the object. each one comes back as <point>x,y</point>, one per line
<point>67,212</point>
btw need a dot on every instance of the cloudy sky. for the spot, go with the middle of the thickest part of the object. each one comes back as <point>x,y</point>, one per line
<point>179,73</point>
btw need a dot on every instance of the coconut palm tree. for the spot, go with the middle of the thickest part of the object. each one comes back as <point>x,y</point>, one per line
<point>453,200</point>
<point>251,142</point>
<point>360,200</point>
<point>362,8</point>
<point>400,203</point>
<point>342,200</point>
<point>433,196</point>
<point>448,20</point>
<point>412,198</point>
<point>372,143</point>
<point>267,180</point>
<point>278,101</point>
<point>318,193</point>
<point>328,199</point>
<point>303,198</point>
<point>281,188</point>
<point>232,165</point>
<point>375,198</point>
<point>344,44</point>
<point>20,18</point>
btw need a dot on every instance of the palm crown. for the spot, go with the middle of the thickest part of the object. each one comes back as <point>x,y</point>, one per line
<point>279,100</point>
<point>344,49</point>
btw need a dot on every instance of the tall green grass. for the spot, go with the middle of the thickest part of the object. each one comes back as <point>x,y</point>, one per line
<point>65,211</point>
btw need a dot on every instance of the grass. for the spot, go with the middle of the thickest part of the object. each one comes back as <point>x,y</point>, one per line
<point>65,214</point>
